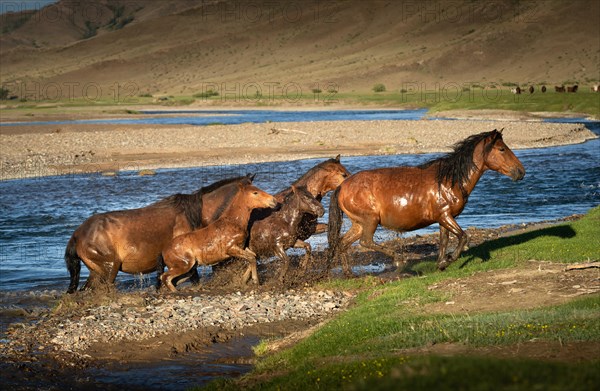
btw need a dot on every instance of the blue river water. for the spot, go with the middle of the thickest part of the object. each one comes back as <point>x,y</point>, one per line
<point>38,215</point>
<point>233,117</point>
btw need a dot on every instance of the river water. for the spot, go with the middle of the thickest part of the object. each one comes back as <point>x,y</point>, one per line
<point>38,215</point>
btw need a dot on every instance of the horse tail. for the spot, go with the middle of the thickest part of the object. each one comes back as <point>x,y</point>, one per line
<point>334,227</point>
<point>73,264</point>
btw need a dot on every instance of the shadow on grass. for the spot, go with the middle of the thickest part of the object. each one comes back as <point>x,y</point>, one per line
<point>484,250</point>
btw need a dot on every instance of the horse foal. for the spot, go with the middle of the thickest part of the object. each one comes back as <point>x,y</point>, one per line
<point>223,239</point>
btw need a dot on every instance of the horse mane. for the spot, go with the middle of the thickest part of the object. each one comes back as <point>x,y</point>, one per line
<point>315,168</point>
<point>191,204</point>
<point>456,166</point>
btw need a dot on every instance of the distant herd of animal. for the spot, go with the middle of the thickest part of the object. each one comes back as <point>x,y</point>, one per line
<point>232,218</point>
<point>518,90</point>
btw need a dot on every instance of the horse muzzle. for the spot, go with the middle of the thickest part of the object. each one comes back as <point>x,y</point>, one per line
<point>517,173</point>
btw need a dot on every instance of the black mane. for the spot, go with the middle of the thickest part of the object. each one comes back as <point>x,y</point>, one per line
<point>191,204</point>
<point>456,166</point>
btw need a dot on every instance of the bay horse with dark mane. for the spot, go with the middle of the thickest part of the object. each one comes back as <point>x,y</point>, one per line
<point>131,241</point>
<point>222,239</point>
<point>409,198</point>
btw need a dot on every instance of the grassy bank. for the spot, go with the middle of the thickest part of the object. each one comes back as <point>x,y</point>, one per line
<point>382,342</point>
<point>435,98</point>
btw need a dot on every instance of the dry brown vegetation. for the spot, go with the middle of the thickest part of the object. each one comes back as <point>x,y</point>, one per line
<point>184,47</point>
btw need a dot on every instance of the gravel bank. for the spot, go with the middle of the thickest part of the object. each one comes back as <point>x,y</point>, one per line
<point>31,151</point>
<point>138,316</point>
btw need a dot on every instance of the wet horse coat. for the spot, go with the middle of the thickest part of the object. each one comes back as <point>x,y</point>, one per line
<point>222,239</point>
<point>409,198</point>
<point>281,230</point>
<point>131,241</point>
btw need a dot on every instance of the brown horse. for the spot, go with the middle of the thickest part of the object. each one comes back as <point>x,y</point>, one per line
<point>218,241</point>
<point>131,241</point>
<point>280,231</point>
<point>318,181</point>
<point>409,198</point>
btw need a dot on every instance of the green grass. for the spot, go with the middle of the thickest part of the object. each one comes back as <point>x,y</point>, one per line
<point>435,98</point>
<point>572,242</point>
<point>366,347</point>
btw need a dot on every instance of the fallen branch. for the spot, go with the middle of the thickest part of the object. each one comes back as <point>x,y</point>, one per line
<point>586,265</point>
<point>279,130</point>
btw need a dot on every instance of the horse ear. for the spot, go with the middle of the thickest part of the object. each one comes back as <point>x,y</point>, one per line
<point>250,177</point>
<point>501,130</point>
<point>337,158</point>
<point>293,189</point>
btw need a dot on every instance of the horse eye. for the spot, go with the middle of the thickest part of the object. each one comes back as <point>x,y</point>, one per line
<point>255,193</point>
<point>501,149</point>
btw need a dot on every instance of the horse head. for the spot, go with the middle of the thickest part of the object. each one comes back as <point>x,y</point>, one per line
<point>255,197</point>
<point>306,202</point>
<point>334,173</point>
<point>499,157</point>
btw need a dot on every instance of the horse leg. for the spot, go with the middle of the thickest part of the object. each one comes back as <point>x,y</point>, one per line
<point>366,239</point>
<point>98,273</point>
<point>178,265</point>
<point>280,252</point>
<point>160,269</point>
<point>451,225</point>
<point>353,234</point>
<point>444,236</point>
<point>307,255</point>
<point>250,256</point>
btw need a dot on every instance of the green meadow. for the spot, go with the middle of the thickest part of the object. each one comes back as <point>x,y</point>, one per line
<point>436,98</point>
<point>379,342</point>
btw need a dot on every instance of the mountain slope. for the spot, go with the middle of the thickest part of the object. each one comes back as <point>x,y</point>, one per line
<point>183,47</point>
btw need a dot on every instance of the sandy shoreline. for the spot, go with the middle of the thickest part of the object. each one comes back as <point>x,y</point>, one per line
<point>43,150</point>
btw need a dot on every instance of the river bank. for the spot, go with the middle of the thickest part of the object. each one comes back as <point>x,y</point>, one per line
<point>43,150</point>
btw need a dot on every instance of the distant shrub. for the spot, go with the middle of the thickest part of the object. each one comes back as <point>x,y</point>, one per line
<point>4,93</point>
<point>146,95</point>
<point>206,94</point>
<point>316,90</point>
<point>90,30</point>
<point>379,87</point>
<point>510,84</point>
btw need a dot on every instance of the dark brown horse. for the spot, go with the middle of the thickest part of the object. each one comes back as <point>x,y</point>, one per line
<point>318,181</point>
<point>280,231</point>
<point>131,241</point>
<point>409,198</point>
<point>222,239</point>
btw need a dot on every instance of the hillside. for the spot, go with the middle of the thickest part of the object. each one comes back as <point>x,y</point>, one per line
<point>183,47</point>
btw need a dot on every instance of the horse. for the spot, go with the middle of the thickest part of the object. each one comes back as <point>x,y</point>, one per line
<point>573,88</point>
<point>280,230</point>
<point>559,89</point>
<point>132,240</point>
<point>543,89</point>
<point>218,241</point>
<point>318,181</point>
<point>596,88</point>
<point>531,89</point>
<point>516,91</point>
<point>408,198</point>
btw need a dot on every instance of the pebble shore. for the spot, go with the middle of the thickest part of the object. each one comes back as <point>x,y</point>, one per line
<point>30,151</point>
<point>135,317</point>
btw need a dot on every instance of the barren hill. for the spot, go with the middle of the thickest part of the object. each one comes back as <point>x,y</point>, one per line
<point>183,47</point>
